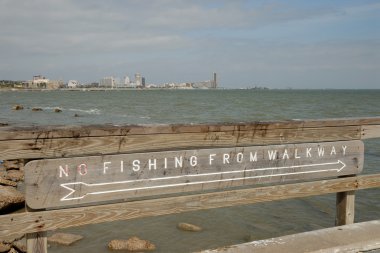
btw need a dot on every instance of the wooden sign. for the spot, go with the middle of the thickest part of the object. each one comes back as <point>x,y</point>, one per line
<point>56,183</point>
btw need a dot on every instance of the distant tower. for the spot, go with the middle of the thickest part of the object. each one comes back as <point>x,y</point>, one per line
<point>127,80</point>
<point>138,79</point>
<point>143,82</point>
<point>214,81</point>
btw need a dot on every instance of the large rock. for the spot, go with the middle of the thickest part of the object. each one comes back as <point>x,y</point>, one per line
<point>132,244</point>
<point>4,247</point>
<point>9,198</point>
<point>7,182</point>
<point>11,164</point>
<point>15,175</point>
<point>12,251</point>
<point>188,227</point>
<point>20,245</point>
<point>64,238</point>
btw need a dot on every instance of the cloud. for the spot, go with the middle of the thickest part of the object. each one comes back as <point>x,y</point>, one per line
<point>188,39</point>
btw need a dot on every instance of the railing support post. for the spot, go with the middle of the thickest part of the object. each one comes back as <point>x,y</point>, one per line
<point>345,208</point>
<point>36,242</point>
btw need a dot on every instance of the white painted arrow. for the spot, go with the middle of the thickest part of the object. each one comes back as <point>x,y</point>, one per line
<point>85,186</point>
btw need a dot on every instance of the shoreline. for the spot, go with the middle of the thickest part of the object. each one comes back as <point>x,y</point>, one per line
<point>171,89</point>
<point>103,89</point>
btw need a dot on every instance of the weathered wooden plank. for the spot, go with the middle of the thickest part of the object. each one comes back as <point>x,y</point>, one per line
<point>68,147</point>
<point>54,183</point>
<point>48,132</point>
<point>370,131</point>
<point>14,224</point>
<point>355,238</point>
<point>345,208</point>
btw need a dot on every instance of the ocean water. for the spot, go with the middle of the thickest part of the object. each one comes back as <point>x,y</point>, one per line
<point>224,226</point>
<point>185,106</point>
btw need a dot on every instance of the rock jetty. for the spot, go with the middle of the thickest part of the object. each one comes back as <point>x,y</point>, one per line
<point>10,198</point>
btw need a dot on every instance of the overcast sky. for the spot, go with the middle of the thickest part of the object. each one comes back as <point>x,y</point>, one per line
<point>278,44</point>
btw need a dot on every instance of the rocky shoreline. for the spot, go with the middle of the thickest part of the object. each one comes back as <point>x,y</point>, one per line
<point>12,199</point>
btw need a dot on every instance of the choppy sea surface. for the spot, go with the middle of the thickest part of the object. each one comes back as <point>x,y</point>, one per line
<point>224,226</point>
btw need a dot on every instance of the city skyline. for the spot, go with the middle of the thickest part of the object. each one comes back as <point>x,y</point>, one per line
<point>276,44</point>
<point>41,82</point>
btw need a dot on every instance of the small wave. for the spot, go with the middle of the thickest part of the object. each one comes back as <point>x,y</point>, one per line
<point>131,116</point>
<point>90,111</point>
<point>48,107</point>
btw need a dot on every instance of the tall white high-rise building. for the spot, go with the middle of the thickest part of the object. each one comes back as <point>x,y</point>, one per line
<point>127,80</point>
<point>138,80</point>
<point>107,82</point>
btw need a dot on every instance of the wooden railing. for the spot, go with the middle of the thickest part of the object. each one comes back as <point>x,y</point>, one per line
<point>233,155</point>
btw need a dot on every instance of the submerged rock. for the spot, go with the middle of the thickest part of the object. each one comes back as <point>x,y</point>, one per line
<point>64,238</point>
<point>17,107</point>
<point>188,227</point>
<point>132,244</point>
<point>36,109</point>
<point>10,198</point>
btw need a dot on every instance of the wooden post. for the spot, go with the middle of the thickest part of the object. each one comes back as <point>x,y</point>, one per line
<point>345,208</point>
<point>36,242</point>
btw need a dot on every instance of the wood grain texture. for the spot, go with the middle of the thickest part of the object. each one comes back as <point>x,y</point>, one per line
<point>69,147</point>
<point>355,238</point>
<point>345,208</point>
<point>14,224</point>
<point>55,183</point>
<point>36,242</point>
<point>370,131</point>
<point>51,132</point>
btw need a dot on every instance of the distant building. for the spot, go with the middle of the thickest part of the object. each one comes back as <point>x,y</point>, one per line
<point>210,84</point>
<point>107,82</point>
<point>38,82</point>
<point>215,84</point>
<point>143,81</point>
<point>139,80</point>
<point>73,84</point>
<point>127,80</point>
<point>40,79</point>
<point>41,82</point>
<point>54,84</point>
